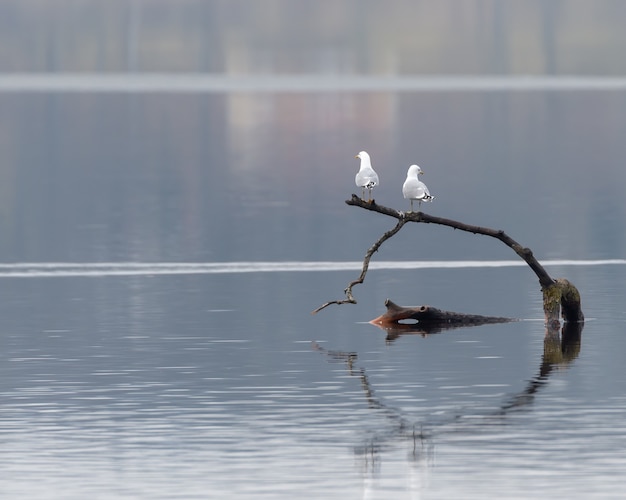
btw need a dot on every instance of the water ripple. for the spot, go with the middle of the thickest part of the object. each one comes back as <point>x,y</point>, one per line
<point>99,269</point>
<point>197,83</point>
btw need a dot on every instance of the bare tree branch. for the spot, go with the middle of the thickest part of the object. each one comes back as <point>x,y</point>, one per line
<point>560,297</point>
<point>525,253</point>
<point>366,262</point>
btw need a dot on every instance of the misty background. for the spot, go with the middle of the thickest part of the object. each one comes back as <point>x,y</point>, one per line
<point>113,171</point>
<point>296,36</point>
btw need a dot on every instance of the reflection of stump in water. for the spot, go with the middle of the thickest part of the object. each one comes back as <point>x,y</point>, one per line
<point>561,347</point>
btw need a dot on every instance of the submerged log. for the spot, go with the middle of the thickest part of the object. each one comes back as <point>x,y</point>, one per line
<point>428,316</point>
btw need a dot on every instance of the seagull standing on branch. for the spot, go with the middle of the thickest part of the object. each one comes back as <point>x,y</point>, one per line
<point>414,189</point>
<point>366,177</point>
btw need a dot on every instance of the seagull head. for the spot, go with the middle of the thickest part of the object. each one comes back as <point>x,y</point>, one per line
<point>363,156</point>
<point>414,170</point>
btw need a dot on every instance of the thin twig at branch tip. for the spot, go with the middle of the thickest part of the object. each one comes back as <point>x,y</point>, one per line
<point>366,261</point>
<point>339,302</point>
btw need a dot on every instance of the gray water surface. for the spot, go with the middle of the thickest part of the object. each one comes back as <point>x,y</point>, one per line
<point>223,385</point>
<point>161,255</point>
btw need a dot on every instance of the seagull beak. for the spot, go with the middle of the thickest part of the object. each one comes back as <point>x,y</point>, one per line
<point>421,172</point>
<point>357,156</point>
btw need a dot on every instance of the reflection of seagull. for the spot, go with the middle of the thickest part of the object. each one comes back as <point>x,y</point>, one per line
<point>366,177</point>
<point>414,189</point>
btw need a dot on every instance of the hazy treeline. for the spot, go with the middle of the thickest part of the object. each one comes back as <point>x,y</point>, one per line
<point>242,36</point>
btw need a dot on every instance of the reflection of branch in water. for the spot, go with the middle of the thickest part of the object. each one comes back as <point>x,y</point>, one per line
<point>401,427</point>
<point>560,349</point>
<point>392,413</point>
<point>372,400</point>
<point>348,357</point>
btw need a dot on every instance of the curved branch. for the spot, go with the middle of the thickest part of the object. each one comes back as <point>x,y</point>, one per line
<point>366,262</point>
<point>525,253</point>
<point>560,297</point>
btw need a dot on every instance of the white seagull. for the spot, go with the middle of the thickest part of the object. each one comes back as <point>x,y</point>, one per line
<point>366,177</point>
<point>414,189</point>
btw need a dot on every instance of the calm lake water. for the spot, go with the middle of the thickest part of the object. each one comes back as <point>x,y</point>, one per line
<point>161,255</point>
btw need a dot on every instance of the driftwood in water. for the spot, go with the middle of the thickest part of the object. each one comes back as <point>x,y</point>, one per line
<point>425,315</point>
<point>560,297</point>
<point>427,320</point>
